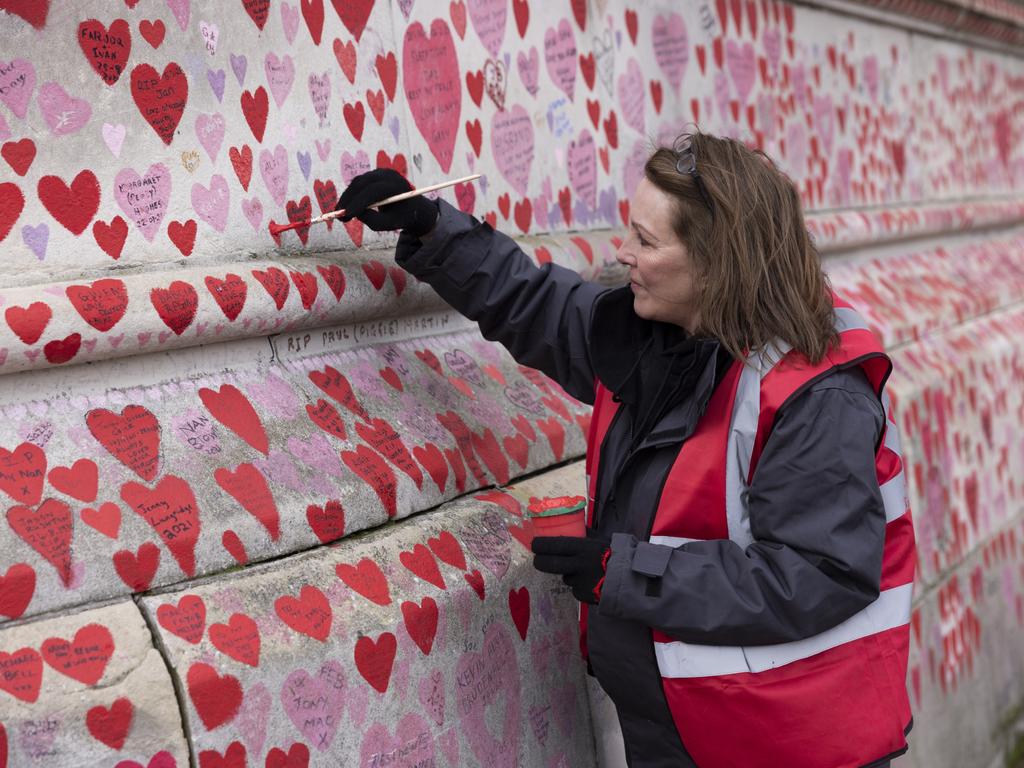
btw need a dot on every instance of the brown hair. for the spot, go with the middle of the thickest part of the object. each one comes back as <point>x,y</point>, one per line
<point>759,273</point>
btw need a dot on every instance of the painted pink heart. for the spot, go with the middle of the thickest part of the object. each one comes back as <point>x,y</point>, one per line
<point>211,205</point>
<point>316,452</point>
<point>279,468</point>
<point>290,20</point>
<point>433,86</point>
<point>316,703</point>
<point>251,721</point>
<point>582,164</point>
<point>671,47</point>
<point>210,132</point>
<point>407,746</point>
<point>741,62</point>
<point>353,164</point>
<point>488,18</point>
<point>274,170</point>
<point>513,146</point>
<point>280,76</point>
<point>198,431</point>
<point>529,69</point>
<point>253,210</point>
<point>824,121</point>
<point>560,56</point>
<point>320,94</point>
<point>18,80</point>
<point>276,396</point>
<point>496,670</point>
<point>431,696</point>
<point>631,94</point>
<point>144,199</point>
<point>62,112</point>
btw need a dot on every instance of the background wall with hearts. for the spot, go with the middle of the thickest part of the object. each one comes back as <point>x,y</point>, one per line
<point>251,400</point>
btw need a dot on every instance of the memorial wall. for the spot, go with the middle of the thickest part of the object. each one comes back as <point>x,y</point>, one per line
<point>266,499</point>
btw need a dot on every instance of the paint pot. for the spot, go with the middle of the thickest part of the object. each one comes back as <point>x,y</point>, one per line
<point>558,516</point>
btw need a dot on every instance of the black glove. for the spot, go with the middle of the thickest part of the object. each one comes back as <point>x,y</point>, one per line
<point>416,215</point>
<point>580,561</point>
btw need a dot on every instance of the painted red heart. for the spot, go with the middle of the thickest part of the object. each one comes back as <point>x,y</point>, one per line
<point>631,24</point>
<point>453,422</point>
<point>229,294</point>
<point>176,304</point>
<point>17,587</point>
<point>276,284</point>
<point>234,755</point>
<point>503,499</point>
<point>110,237</point>
<point>391,377</point>
<point>555,433</point>
<point>383,437</point>
<point>309,614</point>
<point>110,725</point>
<point>232,409</point>
<point>297,756</point>
<point>239,639</point>
<point>106,50</point>
<point>334,383</point>
<point>397,162</point>
<point>432,460</point>
<point>216,698</point>
<point>579,12</point>
<point>375,658</point>
<point>137,569</point>
<point>523,214</point>
<point>28,323</point>
<point>487,447</point>
<point>366,578</point>
<point>519,607</point>
<point>457,12</point>
<point>241,161</point>
<point>47,530</point>
<point>454,457</point>
<point>83,658</point>
<point>183,235</point>
<point>152,32</point>
<point>186,620</point>
<point>521,10</point>
<point>32,11</point>
<point>375,100</point>
<point>255,105</point>
<point>326,195</point>
<point>161,98</point>
<point>387,71</point>
<point>23,673</point>
<point>74,205</point>
<point>11,204</point>
<point>588,68</point>
<point>328,521</point>
<point>171,509</point>
<point>313,13</point>
<point>420,561</point>
<point>346,56</point>
<point>447,549</point>
<point>132,437</point>
<point>101,303</point>
<point>523,533</point>
<point>368,464</point>
<point>19,155</point>
<point>355,117</point>
<point>258,11</point>
<point>106,519</point>
<point>249,488</point>
<point>376,273</point>
<point>428,358</point>
<point>80,480</point>
<point>523,427</point>
<point>475,86</point>
<point>61,350</point>
<point>306,284</point>
<point>353,14</point>
<point>475,579</point>
<point>326,416</point>
<point>518,447</point>
<point>421,622</point>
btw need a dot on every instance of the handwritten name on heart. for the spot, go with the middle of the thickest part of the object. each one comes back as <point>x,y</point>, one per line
<point>161,98</point>
<point>433,86</point>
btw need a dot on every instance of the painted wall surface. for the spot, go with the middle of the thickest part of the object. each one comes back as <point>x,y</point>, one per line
<point>196,413</point>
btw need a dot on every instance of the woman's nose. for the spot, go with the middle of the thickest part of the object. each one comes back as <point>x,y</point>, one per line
<point>625,255</point>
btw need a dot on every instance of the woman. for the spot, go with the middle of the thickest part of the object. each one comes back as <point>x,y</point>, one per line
<point>747,573</point>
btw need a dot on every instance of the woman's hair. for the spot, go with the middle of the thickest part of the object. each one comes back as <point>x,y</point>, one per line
<point>759,275</point>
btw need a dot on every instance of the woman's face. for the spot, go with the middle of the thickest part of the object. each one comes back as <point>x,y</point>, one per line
<point>661,273</point>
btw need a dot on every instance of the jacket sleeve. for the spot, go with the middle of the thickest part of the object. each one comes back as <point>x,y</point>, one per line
<point>542,315</point>
<point>818,524</point>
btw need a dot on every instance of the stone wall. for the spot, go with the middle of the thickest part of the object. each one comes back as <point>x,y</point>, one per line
<point>264,498</point>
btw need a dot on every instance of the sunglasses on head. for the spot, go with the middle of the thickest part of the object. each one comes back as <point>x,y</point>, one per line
<point>686,163</point>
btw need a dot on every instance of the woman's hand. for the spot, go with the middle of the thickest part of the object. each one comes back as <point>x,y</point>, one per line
<point>417,215</point>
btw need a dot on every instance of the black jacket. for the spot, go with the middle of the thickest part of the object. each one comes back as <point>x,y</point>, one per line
<point>816,511</point>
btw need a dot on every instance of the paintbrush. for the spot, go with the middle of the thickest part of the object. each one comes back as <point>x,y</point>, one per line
<point>276,229</point>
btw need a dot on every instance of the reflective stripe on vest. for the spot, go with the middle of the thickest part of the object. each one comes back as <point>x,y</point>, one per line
<point>747,431</point>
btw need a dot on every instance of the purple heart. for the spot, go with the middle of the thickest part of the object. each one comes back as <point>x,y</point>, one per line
<point>607,203</point>
<point>305,161</point>
<point>581,212</point>
<point>555,213</point>
<point>36,238</point>
<point>393,125</point>
<point>217,82</point>
<point>238,65</point>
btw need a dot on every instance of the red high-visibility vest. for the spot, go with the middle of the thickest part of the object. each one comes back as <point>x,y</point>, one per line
<point>834,700</point>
